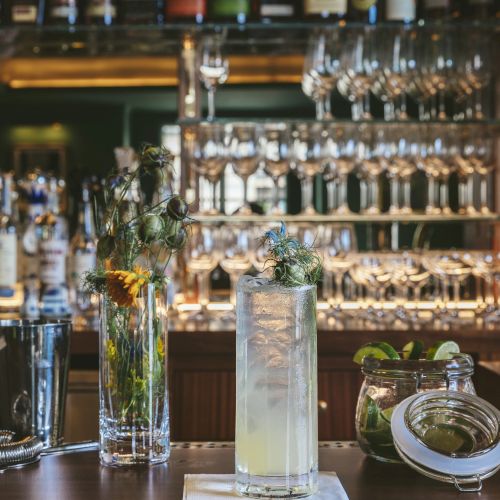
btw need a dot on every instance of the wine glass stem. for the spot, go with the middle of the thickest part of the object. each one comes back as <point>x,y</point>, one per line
<point>407,194</point>
<point>363,195</point>
<point>343,192</point>
<point>389,111</point>
<point>339,295</point>
<point>478,106</point>
<point>331,189</point>
<point>443,192</point>
<point>469,193</point>
<point>307,194</point>
<point>245,191</point>
<point>211,103</point>
<point>456,294</point>
<point>441,104</point>
<point>276,194</point>
<point>204,289</point>
<point>484,193</point>
<point>233,280</point>
<point>373,194</point>
<point>394,187</point>
<point>431,193</point>
<point>327,106</point>
<point>320,109</point>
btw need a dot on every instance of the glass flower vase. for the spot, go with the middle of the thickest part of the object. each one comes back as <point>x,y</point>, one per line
<point>133,397</point>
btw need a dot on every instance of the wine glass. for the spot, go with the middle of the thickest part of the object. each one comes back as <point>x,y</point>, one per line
<point>359,71</point>
<point>339,242</point>
<point>213,68</point>
<point>276,150</point>
<point>259,253</point>
<point>236,254</point>
<point>309,155</point>
<point>342,152</point>
<point>321,70</point>
<point>202,253</point>
<point>209,156</point>
<point>245,156</point>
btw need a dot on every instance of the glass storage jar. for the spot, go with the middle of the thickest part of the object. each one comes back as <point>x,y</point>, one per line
<point>387,382</point>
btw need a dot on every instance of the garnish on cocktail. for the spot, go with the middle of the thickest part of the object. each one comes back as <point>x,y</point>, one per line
<point>293,263</point>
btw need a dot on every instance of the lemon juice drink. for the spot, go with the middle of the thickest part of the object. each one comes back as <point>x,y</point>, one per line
<point>276,393</point>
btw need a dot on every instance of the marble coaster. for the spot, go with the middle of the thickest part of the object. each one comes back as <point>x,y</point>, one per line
<point>221,486</point>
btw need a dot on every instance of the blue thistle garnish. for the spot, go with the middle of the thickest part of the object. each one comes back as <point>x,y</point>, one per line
<point>293,263</point>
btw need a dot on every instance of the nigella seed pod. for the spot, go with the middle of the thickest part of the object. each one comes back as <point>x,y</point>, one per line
<point>177,208</point>
<point>177,240</point>
<point>105,246</point>
<point>150,227</point>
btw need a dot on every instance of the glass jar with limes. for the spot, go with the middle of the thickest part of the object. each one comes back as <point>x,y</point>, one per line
<point>391,376</point>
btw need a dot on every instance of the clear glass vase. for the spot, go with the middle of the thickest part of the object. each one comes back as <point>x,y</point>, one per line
<point>276,390</point>
<point>133,397</point>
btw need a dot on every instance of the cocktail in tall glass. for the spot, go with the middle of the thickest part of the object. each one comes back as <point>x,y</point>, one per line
<point>276,393</point>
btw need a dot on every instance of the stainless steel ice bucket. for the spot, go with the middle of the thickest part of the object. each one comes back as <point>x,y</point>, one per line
<point>34,362</point>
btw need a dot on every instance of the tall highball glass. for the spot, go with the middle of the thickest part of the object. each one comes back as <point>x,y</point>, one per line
<point>276,390</point>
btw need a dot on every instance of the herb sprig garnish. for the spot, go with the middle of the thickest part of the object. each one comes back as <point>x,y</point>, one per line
<point>293,263</point>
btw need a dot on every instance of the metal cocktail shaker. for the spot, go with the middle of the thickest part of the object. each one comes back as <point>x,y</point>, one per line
<point>34,362</point>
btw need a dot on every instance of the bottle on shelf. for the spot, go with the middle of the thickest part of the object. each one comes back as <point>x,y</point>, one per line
<point>186,11</point>
<point>62,12</point>
<point>52,232</point>
<point>239,11</point>
<point>83,260</point>
<point>330,10</point>
<point>363,11</point>
<point>141,11</point>
<point>24,12</point>
<point>28,256</point>
<point>8,240</point>
<point>100,12</point>
<point>401,11</point>
<point>480,10</point>
<point>279,10</point>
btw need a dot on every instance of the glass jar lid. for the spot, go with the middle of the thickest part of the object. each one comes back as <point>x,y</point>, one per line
<point>449,436</point>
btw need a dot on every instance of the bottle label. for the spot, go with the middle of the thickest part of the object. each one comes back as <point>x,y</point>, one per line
<point>437,4</point>
<point>363,4</point>
<point>187,8</point>
<point>53,261</point>
<point>24,13</point>
<point>83,263</point>
<point>325,7</point>
<point>400,10</point>
<point>231,8</point>
<point>99,8</point>
<point>8,260</point>
<point>276,10</point>
<point>63,9</point>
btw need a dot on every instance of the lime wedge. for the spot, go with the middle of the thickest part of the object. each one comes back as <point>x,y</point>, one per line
<point>447,438</point>
<point>377,350</point>
<point>387,414</point>
<point>444,349</point>
<point>413,349</point>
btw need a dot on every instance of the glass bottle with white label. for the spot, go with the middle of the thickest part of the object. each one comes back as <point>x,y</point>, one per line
<point>402,11</point>
<point>83,260</point>
<point>52,232</point>
<point>24,12</point>
<point>62,12</point>
<point>8,241</point>
<point>331,10</point>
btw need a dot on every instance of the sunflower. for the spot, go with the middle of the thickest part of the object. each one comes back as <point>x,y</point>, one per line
<point>124,286</point>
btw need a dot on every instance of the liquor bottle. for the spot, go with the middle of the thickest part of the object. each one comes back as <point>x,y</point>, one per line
<point>24,12</point>
<point>8,240</point>
<point>279,10</point>
<point>363,11</point>
<point>101,12</point>
<point>239,11</point>
<point>331,10</point>
<point>186,10</point>
<point>403,11</point>
<point>141,11</point>
<point>63,12</point>
<point>480,10</point>
<point>52,232</point>
<point>83,260</point>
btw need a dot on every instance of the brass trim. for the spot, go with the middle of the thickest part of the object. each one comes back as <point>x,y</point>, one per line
<point>23,73</point>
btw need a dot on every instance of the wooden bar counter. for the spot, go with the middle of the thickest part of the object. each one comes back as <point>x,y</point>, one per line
<point>80,476</point>
<point>202,377</point>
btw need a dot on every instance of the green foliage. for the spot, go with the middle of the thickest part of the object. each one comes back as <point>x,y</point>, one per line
<point>293,263</point>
